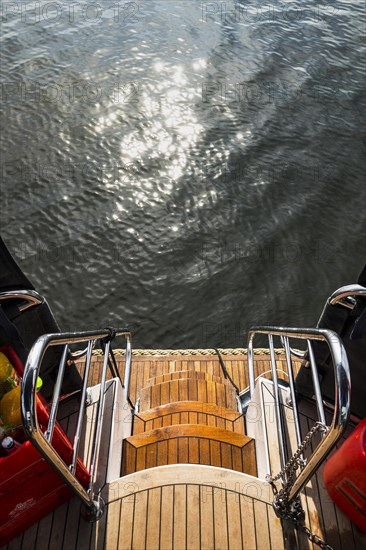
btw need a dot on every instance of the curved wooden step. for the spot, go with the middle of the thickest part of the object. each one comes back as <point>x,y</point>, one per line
<point>199,375</point>
<point>185,389</point>
<point>188,507</point>
<point>193,444</point>
<point>188,412</point>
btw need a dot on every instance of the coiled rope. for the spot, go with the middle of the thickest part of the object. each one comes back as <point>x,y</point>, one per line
<point>166,352</point>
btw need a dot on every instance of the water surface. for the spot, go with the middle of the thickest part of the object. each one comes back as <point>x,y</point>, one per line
<point>188,169</point>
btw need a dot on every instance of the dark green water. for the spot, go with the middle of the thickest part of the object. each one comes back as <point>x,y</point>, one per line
<point>185,168</point>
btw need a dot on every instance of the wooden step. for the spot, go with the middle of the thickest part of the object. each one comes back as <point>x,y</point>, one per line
<point>199,375</point>
<point>185,389</point>
<point>188,412</point>
<point>193,444</point>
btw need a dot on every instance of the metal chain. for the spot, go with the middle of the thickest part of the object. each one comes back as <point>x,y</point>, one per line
<point>293,511</point>
<point>313,538</point>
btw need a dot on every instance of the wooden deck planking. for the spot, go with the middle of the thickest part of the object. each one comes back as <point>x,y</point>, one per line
<point>140,520</point>
<point>140,460</point>
<point>321,514</point>
<point>145,368</point>
<point>151,457</point>
<point>193,516</point>
<point>207,531</point>
<point>172,451</point>
<point>84,535</point>
<point>153,519</point>
<point>193,451</point>
<point>195,374</point>
<point>162,453</point>
<point>133,459</point>
<point>99,532</point>
<point>157,448</point>
<point>192,390</point>
<point>180,517</point>
<point>226,456</point>
<point>220,520</point>
<point>310,496</point>
<point>204,451</point>
<point>28,539</point>
<point>275,530</point>
<point>166,518</point>
<point>215,453</point>
<point>233,521</point>
<point>183,389</point>
<point>58,524</point>
<point>101,535</point>
<point>126,523</point>
<point>17,542</point>
<point>261,525</point>
<point>248,531</point>
<point>72,524</point>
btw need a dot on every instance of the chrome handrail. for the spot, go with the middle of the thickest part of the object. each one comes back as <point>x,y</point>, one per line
<point>342,392</point>
<point>31,298</point>
<point>93,504</point>
<point>346,295</point>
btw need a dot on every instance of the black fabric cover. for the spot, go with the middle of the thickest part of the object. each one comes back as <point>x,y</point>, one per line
<point>21,329</point>
<point>8,333</point>
<point>351,326</point>
<point>11,276</point>
<point>33,323</point>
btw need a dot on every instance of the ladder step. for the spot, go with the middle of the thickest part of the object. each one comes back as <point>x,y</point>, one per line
<point>193,444</point>
<point>199,375</point>
<point>185,389</point>
<point>188,412</point>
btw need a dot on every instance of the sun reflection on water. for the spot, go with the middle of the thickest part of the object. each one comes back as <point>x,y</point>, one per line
<point>160,134</point>
<point>168,128</point>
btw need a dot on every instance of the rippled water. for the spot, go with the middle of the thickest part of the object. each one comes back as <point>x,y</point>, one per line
<point>186,168</point>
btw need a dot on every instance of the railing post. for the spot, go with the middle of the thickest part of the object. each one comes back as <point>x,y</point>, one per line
<point>342,392</point>
<point>280,432</point>
<point>292,389</point>
<point>82,407</point>
<point>96,441</point>
<point>317,390</point>
<point>126,381</point>
<point>251,363</point>
<point>56,395</point>
<point>92,505</point>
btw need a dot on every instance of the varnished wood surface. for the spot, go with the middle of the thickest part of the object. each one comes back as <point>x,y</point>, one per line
<point>181,437</point>
<point>166,514</point>
<point>198,375</point>
<point>189,430</point>
<point>188,412</point>
<point>185,389</point>
<point>145,368</point>
<point>159,511</point>
<point>192,444</point>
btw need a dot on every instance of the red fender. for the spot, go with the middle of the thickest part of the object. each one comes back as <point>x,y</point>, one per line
<point>345,476</point>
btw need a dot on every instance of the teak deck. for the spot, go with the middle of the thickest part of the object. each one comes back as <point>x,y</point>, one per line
<point>189,506</point>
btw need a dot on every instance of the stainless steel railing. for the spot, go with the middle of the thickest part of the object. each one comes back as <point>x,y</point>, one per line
<point>93,504</point>
<point>29,298</point>
<point>342,393</point>
<point>347,295</point>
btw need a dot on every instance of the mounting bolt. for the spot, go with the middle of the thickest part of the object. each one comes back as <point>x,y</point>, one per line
<point>95,511</point>
<point>88,397</point>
